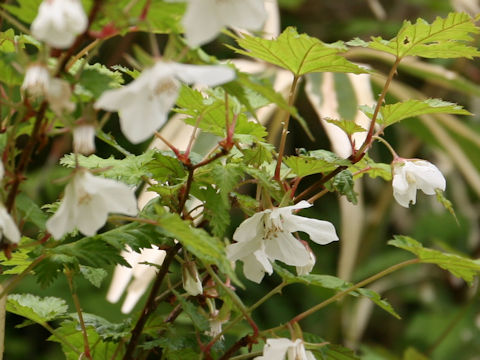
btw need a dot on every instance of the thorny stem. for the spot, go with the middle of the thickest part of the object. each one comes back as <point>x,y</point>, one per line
<point>286,120</point>
<point>345,292</point>
<point>151,304</point>
<point>368,140</point>
<point>76,301</point>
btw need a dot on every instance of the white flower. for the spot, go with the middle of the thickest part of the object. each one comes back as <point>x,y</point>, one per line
<point>266,236</point>
<point>58,22</point>
<point>36,81</point>
<point>411,175</point>
<point>215,322</point>
<point>190,279</point>
<point>84,139</point>
<point>141,272</point>
<point>87,201</point>
<point>306,269</point>
<point>277,349</point>
<point>58,96</point>
<point>204,19</point>
<point>8,228</point>
<point>143,105</point>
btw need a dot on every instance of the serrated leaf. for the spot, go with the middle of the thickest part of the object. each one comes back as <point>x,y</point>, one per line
<point>95,79</point>
<point>106,329</point>
<point>371,168</point>
<point>444,38</point>
<point>94,275</point>
<point>348,126</point>
<point>343,184</point>
<point>459,266</point>
<point>258,154</point>
<point>334,283</point>
<point>166,168</point>
<point>304,166</point>
<point>52,266</point>
<point>26,10</point>
<point>19,260</point>
<point>30,211</point>
<point>447,204</point>
<point>205,247</point>
<point>390,114</point>
<point>129,170</point>
<point>35,308</point>
<point>299,53</point>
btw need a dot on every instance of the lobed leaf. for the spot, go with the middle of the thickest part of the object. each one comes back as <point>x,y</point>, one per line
<point>35,308</point>
<point>459,266</point>
<point>390,114</point>
<point>299,53</point>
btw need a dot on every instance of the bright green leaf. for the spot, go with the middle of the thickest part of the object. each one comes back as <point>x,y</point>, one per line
<point>348,126</point>
<point>94,275</point>
<point>459,266</point>
<point>35,308</point>
<point>371,168</point>
<point>299,53</point>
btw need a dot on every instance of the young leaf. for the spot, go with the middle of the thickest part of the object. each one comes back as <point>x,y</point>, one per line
<point>94,275</point>
<point>95,79</point>
<point>318,161</point>
<point>108,331</point>
<point>348,126</point>
<point>459,266</point>
<point>372,168</point>
<point>390,114</point>
<point>299,53</point>
<point>343,184</point>
<point>444,38</point>
<point>447,204</point>
<point>37,309</point>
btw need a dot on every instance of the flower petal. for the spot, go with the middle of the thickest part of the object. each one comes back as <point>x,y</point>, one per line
<point>250,228</point>
<point>8,228</point>
<point>210,75</point>
<point>285,247</point>
<point>320,231</point>
<point>201,22</point>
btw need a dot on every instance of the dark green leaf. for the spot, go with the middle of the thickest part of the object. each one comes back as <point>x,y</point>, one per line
<point>343,184</point>
<point>198,318</point>
<point>94,275</point>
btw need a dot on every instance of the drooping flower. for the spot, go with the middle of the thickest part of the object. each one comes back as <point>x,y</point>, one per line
<point>267,236</point>
<point>411,175</point>
<point>279,349</point>
<point>204,19</point>
<point>141,272</point>
<point>87,201</point>
<point>143,105</point>
<point>36,81</point>
<point>190,279</point>
<point>216,321</point>
<point>84,139</point>
<point>8,228</point>
<point>58,96</point>
<point>58,22</point>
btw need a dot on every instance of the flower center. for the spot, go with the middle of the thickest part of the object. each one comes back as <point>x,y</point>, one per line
<point>84,199</point>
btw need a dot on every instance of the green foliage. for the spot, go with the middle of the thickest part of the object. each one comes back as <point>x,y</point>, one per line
<point>299,53</point>
<point>315,162</point>
<point>35,308</point>
<point>198,318</point>
<point>372,168</point>
<point>25,10</point>
<point>348,126</point>
<point>94,275</point>
<point>130,169</point>
<point>444,38</point>
<point>459,266</point>
<point>30,211</point>
<point>95,79</point>
<point>18,262</point>
<point>343,184</point>
<point>390,114</point>
<point>105,329</point>
<point>334,283</point>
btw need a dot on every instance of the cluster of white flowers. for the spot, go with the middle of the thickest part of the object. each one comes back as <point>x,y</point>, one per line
<point>267,236</point>
<point>278,349</point>
<point>414,174</point>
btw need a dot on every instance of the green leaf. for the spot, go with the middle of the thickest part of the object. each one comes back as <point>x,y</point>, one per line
<point>26,10</point>
<point>129,170</point>
<point>198,318</point>
<point>444,38</point>
<point>343,184</point>
<point>196,240</point>
<point>334,283</point>
<point>459,266</point>
<point>30,212</point>
<point>95,79</point>
<point>19,260</point>
<point>94,275</point>
<point>304,166</point>
<point>166,168</point>
<point>301,54</point>
<point>348,126</point>
<point>390,114</point>
<point>447,204</point>
<point>108,331</point>
<point>372,168</point>
<point>35,308</point>
<point>413,354</point>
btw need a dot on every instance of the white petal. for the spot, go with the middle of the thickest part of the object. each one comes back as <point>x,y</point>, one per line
<point>276,349</point>
<point>245,14</point>
<point>8,228</point>
<point>209,75</point>
<point>250,228</point>
<point>320,231</point>
<point>428,177</point>
<point>63,221</point>
<point>201,22</point>
<point>122,276</point>
<point>285,247</point>
<point>256,265</point>
<point>243,249</point>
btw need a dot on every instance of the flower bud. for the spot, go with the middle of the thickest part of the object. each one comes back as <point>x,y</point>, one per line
<point>58,96</point>
<point>84,139</point>
<point>191,281</point>
<point>36,81</point>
